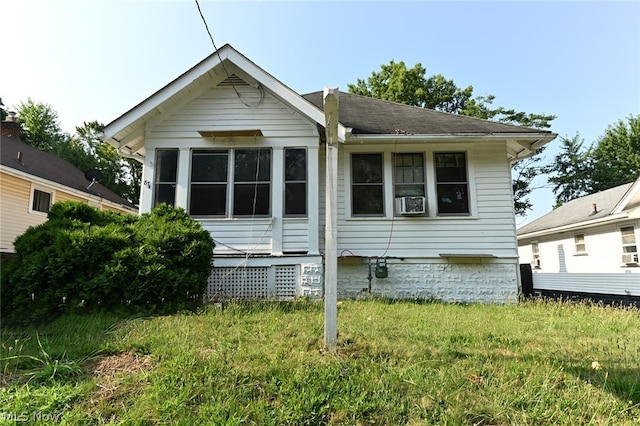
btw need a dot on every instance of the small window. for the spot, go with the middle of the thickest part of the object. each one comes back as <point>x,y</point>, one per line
<point>629,245</point>
<point>535,250</point>
<point>409,176</point>
<point>452,186</point>
<point>580,243</point>
<point>166,173</point>
<point>367,185</point>
<point>41,201</point>
<point>295,182</point>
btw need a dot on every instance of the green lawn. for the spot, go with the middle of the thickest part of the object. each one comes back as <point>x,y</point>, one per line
<point>535,363</point>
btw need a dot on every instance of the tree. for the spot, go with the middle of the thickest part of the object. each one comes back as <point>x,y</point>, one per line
<point>40,127</point>
<point>616,156</point>
<point>86,150</point>
<point>571,171</point>
<point>394,82</point>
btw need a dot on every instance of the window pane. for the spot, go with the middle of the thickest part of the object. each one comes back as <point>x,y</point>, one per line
<point>451,167</point>
<point>165,193</point>
<point>208,200</point>
<point>41,201</point>
<point>166,165</point>
<point>209,166</point>
<point>295,164</point>
<point>251,164</point>
<point>366,168</point>
<point>367,200</point>
<point>251,199</point>
<point>452,198</point>
<point>295,199</point>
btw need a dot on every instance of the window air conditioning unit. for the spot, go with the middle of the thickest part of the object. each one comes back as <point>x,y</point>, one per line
<point>535,263</point>
<point>630,258</point>
<point>410,205</point>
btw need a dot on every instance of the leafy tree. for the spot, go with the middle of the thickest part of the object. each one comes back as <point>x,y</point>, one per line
<point>40,126</point>
<point>616,156</point>
<point>86,150</point>
<point>571,171</point>
<point>397,83</point>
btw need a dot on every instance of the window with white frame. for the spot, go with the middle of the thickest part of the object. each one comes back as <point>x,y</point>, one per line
<point>452,186</point>
<point>41,200</point>
<point>235,180</point>
<point>535,252</point>
<point>367,185</point>
<point>580,244</point>
<point>166,172</point>
<point>295,182</point>
<point>629,244</point>
<point>409,175</point>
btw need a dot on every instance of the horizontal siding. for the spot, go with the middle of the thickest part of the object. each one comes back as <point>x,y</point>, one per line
<point>64,196</point>
<point>295,236</point>
<point>490,229</point>
<point>618,284</point>
<point>220,109</point>
<point>240,237</point>
<point>15,217</point>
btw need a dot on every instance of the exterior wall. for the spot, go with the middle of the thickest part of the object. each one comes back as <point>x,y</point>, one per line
<point>15,207</point>
<point>219,108</point>
<point>603,255</point>
<point>464,281</point>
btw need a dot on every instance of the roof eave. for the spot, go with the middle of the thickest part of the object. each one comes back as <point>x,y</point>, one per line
<point>574,226</point>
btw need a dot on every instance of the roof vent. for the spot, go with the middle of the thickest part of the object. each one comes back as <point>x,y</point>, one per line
<point>594,209</point>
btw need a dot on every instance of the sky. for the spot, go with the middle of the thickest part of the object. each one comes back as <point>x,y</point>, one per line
<point>96,59</point>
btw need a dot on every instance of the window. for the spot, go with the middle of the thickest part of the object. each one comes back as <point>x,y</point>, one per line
<point>535,250</point>
<point>367,185</point>
<point>209,171</point>
<point>628,240</point>
<point>295,182</point>
<point>166,175</point>
<point>41,201</point>
<point>241,174</point>
<point>409,176</point>
<point>580,243</point>
<point>451,183</point>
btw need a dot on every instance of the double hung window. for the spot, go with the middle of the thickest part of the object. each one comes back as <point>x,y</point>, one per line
<point>166,173</point>
<point>295,182</point>
<point>629,245</point>
<point>240,175</point>
<point>41,201</point>
<point>409,175</point>
<point>452,186</point>
<point>367,186</point>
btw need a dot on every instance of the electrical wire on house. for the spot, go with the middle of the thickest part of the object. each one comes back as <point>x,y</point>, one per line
<point>393,214</point>
<point>206,26</point>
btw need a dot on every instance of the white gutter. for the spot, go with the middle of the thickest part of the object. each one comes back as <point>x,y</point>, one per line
<point>539,138</point>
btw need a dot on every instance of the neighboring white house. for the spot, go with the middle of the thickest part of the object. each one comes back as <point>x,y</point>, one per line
<point>588,247</point>
<point>32,180</point>
<point>424,198</point>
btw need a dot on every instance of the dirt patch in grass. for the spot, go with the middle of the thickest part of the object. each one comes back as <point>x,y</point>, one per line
<point>115,382</point>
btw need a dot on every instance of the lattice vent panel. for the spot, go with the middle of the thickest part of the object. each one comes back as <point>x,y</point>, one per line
<point>238,283</point>
<point>286,282</point>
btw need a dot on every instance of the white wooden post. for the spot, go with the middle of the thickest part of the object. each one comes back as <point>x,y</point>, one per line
<point>331,201</point>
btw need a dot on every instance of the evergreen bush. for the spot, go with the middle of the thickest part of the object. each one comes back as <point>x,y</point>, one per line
<point>84,260</point>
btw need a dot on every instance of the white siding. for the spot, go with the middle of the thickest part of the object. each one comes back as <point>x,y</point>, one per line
<point>490,228</point>
<point>603,255</point>
<point>220,109</point>
<point>618,284</point>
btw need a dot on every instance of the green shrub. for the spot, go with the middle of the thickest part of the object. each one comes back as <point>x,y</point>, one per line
<point>83,259</point>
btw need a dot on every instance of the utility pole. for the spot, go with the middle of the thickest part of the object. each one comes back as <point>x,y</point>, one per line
<point>330,100</point>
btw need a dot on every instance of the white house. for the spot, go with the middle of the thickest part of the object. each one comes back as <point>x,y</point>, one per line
<point>424,199</point>
<point>588,247</point>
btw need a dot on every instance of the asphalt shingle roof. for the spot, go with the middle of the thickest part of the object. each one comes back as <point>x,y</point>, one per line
<point>367,115</point>
<point>579,210</point>
<point>47,166</point>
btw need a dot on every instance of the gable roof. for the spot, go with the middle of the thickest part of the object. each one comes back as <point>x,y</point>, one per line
<point>49,167</point>
<point>595,208</point>
<point>361,118</point>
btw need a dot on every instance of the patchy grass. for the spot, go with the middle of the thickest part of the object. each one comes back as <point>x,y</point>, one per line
<point>408,363</point>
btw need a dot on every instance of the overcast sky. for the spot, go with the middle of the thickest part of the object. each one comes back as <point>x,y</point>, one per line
<point>95,60</point>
